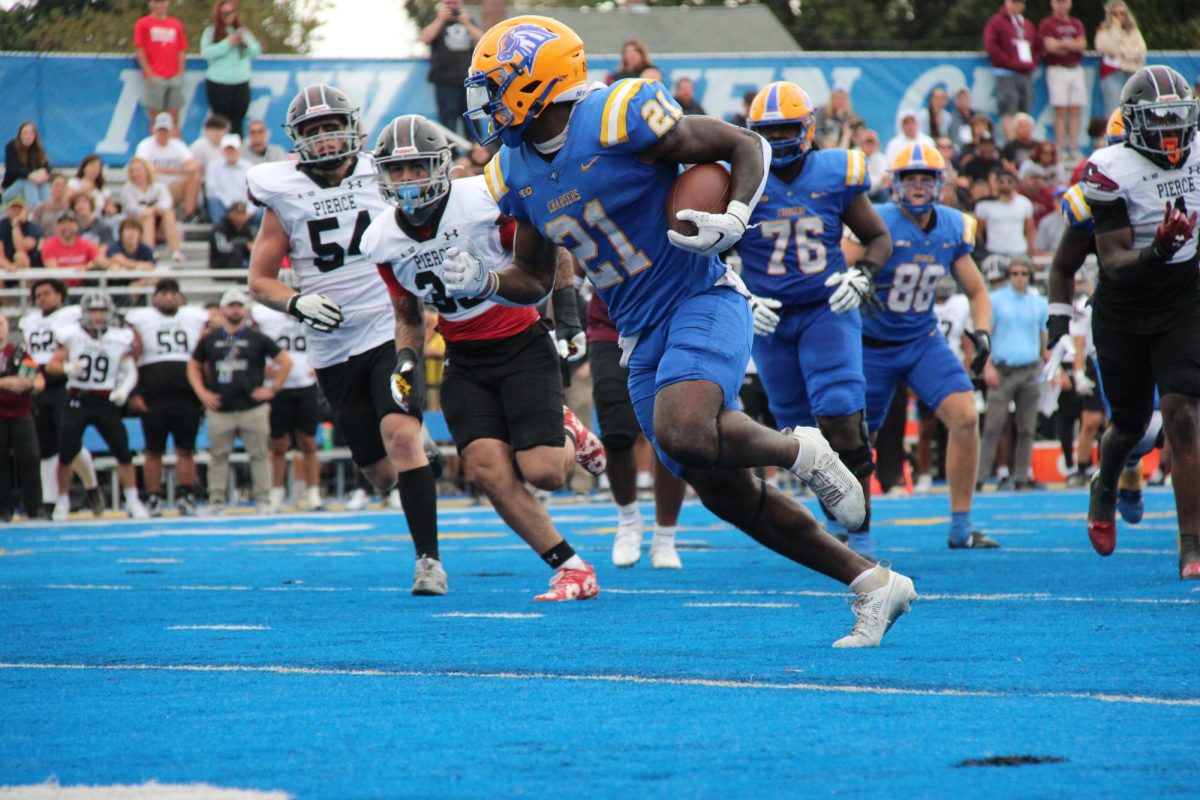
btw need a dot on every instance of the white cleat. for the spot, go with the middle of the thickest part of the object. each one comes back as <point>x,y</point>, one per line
<point>429,578</point>
<point>878,608</point>
<point>275,500</point>
<point>663,555</point>
<point>358,500</point>
<point>393,500</point>
<point>627,546</point>
<point>136,509</point>
<point>313,500</point>
<point>62,508</point>
<point>830,480</point>
<point>924,484</point>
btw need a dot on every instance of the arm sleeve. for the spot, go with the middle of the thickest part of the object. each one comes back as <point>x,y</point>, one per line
<point>636,114</point>
<point>211,49</point>
<point>389,280</point>
<point>1110,215</point>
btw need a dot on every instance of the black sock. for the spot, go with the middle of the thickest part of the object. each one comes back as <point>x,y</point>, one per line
<point>559,554</point>
<point>418,495</point>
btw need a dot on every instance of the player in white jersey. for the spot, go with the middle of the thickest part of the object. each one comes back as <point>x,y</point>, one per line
<point>49,296</point>
<point>295,408</point>
<point>316,211</point>
<point>168,332</point>
<point>1146,309</point>
<point>502,388</point>
<point>98,359</point>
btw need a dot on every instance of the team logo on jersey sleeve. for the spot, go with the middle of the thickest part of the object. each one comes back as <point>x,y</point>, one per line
<point>520,44</point>
<point>1094,177</point>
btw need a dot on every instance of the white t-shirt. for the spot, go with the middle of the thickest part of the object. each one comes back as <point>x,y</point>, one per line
<point>205,152</point>
<point>173,155</point>
<point>133,199</point>
<point>291,335</point>
<point>1006,224</point>
<point>225,182</point>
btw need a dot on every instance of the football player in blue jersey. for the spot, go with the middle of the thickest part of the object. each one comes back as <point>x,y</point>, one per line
<point>589,168</point>
<point>806,301</point>
<point>901,341</point>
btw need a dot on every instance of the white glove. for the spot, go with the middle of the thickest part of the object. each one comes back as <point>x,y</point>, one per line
<point>765,318</point>
<point>1058,352</point>
<point>118,397</point>
<point>73,367</point>
<point>573,349</point>
<point>1084,386</point>
<point>465,276</point>
<point>853,286</point>
<point>716,232</point>
<point>316,311</point>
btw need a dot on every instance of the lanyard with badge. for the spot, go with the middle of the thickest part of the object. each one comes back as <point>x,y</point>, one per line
<point>1024,51</point>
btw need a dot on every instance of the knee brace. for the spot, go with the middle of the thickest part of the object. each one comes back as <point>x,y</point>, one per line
<point>858,459</point>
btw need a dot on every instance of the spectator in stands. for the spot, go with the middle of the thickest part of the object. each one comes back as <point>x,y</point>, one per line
<point>173,164</point>
<point>1051,228</point>
<point>980,190</point>
<point>981,160</point>
<point>1122,51</point>
<point>19,237</point>
<point>230,239</point>
<point>160,45</point>
<point>89,178</point>
<point>739,118</point>
<point>227,372</point>
<point>1020,144</point>
<point>634,59</point>
<point>877,166</point>
<point>215,320</point>
<point>945,146</point>
<point>90,226</point>
<point>836,120</point>
<point>225,180</point>
<point>259,149</point>
<point>1012,46</point>
<point>934,118</point>
<point>26,167</point>
<point>1037,185</point>
<point>451,36</point>
<point>1063,42</point>
<point>1046,156</point>
<point>18,373</point>
<point>1006,222</point>
<point>46,213</point>
<point>652,73</point>
<point>145,199</point>
<point>207,147</point>
<point>230,48</point>
<point>907,132</point>
<point>961,114</point>
<point>129,253</point>
<point>685,95</point>
<point>472,163</point>
<point>68,250</point>
<point>1011,374</point>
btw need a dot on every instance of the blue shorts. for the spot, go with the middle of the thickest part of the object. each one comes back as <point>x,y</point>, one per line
<point>927,365</point>
<point>707,338</point>
<point>812,366</point>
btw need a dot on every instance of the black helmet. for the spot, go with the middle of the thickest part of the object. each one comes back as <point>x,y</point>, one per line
<point>1160,115</point>
<point>321,101</point>
<point>413,139</point>
<point>96,301</point>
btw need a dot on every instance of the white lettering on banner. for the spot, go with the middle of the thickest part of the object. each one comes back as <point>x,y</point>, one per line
<point>125,124</point>
<point>812,80</point>
<point>724,86</point>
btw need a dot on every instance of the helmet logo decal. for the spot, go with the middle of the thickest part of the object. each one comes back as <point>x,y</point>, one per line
<point>520,44</point>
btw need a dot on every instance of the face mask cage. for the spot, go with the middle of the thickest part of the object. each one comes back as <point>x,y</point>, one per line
<point>790,150</point>
<point>325,147</point>
<point>1163,130</point>
<point>488,118</point>
<point>928,180</point>
<point>415,196</point>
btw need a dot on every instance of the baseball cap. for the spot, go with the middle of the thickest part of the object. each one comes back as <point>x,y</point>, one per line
<point>984,136</point>
<point>166,285</point>
<point>67,216</point>
<point>231,140</point>
<point>17,200</point>
<point>906,113</point>
<point>163,120</point>
<point>235,296</point>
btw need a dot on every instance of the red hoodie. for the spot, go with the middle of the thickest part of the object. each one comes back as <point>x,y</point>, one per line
<point>999,40</point>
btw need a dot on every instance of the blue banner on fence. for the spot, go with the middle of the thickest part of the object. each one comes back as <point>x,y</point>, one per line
<point>91,103</point>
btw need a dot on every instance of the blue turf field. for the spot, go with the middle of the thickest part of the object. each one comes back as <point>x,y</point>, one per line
<point>286,654</point>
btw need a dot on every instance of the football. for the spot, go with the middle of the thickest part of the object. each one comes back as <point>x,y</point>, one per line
<point>704,187</point>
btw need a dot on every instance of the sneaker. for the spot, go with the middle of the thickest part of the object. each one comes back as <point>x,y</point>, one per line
<point>924,484</point>
<point>358,500</point>
<point>831,481</point>
<point>177,257</point>
<point>1077,480</point>
<point>313,500</point>
<point>1101,517</point>
<point>663,555</point>
<point>627,546</point>
<point>154,505</point>
<point>95,501</point>
<point>571,584</point>
<point>978,540</point>
<point>1189,567</point>
<point>136,509</point>
<point>589,450</point>
<point>1131,505</point>
<point>878,609</point>
<point>185,505</point>
<point>62,508</point>
<point>393,500</point>
<point>1004,484</point>
<point>275,500</point>
<point>214,509</point>
<point>429,578</point>
<point>1027,485</point>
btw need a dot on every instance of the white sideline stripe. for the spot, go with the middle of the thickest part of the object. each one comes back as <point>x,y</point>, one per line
<point>219,628</point>
<point>740,605</point>
<point>1190,702</point>
<point>497,615</point>
<point>149,560</point>
<point>152,790</point>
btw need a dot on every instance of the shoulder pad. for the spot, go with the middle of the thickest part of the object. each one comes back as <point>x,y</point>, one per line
<point>1074,207</point>
<point>493,174</point>
<point>637,111</point>
<point>970,226</point>
<point>856,168</point>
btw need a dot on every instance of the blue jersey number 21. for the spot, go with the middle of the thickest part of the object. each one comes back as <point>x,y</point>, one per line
<point>584,247</point>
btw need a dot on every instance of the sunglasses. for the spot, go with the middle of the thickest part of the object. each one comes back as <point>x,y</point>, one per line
<point>1019,274</point>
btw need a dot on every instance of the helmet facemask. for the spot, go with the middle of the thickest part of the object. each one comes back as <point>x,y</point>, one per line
<point>487,116</point>
<point>925,184</point>
<point>97,312</point>
<point>787,149</point>
<point>326,147</point>
<point>1163,130</point>
<point>417,198</point>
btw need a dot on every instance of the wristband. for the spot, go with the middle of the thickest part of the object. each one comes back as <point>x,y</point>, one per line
<point>1060,309</point>
<point>740,210</point>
